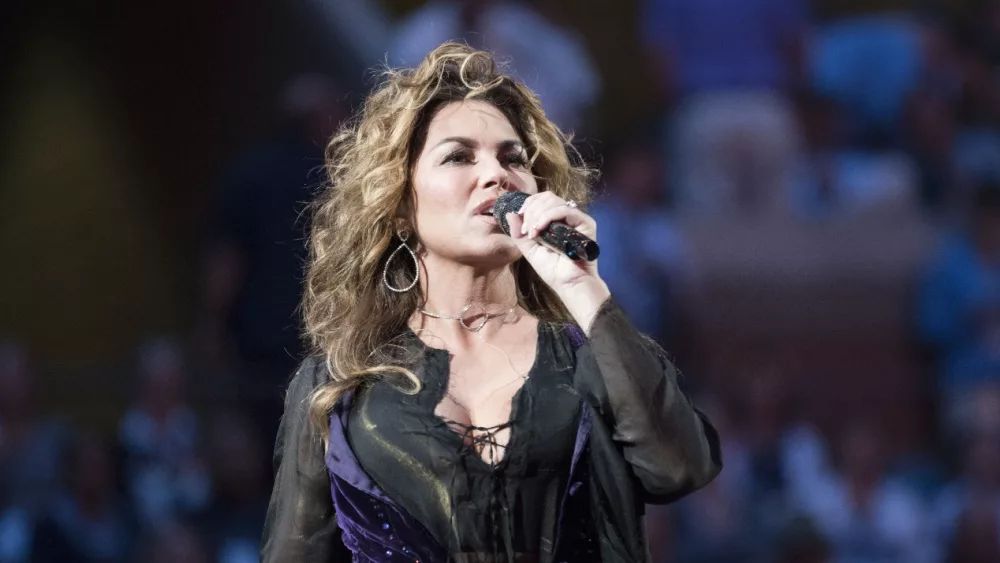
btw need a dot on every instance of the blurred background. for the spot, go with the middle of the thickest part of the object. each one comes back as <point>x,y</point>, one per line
<point>800,199</point>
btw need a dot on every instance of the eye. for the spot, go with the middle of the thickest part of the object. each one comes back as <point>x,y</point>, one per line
<point>460,156</point>
<point>515,159</point>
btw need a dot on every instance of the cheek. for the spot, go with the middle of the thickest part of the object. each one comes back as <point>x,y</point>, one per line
<point>526,182</point>
<point>442,196</point>
<point>444,191</point>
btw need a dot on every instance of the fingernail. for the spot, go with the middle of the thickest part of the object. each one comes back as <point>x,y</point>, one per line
<point>524,229</point>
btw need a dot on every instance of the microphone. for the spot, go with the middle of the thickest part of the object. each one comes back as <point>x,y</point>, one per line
<point>558,235</point>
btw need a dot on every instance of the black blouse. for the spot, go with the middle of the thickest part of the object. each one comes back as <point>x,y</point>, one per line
<point>643,442</point>
<point>434,470</point>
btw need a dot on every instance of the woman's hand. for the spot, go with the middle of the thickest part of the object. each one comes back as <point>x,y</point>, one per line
<point>576,282</point>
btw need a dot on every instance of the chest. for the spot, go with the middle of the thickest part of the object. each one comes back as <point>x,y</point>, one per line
<point>480,390</point>
<point>486,405</point>
<point>475,393</point>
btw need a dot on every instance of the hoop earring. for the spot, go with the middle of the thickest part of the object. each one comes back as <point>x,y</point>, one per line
<point>403,236</point>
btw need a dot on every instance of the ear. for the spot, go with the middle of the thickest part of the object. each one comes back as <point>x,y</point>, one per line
<point>401,224</point>
<point>405,211</point>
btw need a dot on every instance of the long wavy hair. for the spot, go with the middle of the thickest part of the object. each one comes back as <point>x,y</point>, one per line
<point>351,318</point>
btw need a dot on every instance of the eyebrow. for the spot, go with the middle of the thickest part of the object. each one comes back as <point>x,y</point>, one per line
<point>467,142</point>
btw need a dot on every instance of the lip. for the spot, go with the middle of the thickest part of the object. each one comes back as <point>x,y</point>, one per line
<point>489,220</point>
<point>483,207</point>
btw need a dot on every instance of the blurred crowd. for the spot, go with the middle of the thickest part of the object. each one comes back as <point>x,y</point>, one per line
<point>769,113</point>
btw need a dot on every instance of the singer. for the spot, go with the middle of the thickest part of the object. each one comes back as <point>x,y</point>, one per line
<point>474,395</point>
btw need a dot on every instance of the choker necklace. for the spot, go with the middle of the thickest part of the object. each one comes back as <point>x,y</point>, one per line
<point>463,314</point>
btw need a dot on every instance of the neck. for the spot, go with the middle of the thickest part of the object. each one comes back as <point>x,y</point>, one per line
<point>449,288</point>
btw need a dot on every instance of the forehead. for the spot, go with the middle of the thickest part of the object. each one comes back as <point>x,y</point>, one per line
<point>474,119</point>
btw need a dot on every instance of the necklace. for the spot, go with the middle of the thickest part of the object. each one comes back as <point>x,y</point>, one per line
<point>464,313</point>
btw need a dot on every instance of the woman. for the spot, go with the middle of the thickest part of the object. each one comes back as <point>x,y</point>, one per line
<point>475,396</point>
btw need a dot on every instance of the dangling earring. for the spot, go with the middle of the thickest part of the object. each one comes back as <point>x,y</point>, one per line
<point>403,236</point>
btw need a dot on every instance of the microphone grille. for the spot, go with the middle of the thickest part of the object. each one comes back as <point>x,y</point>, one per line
<point>508,202</point>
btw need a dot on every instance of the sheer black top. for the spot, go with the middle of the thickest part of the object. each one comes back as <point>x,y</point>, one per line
<point>642,442</point>
<point>433,467</point>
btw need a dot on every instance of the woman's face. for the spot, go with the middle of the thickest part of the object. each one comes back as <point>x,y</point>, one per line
<point>471,155</point>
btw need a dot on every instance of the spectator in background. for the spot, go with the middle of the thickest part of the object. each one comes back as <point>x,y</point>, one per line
<point>255,260</point>
<point>833,178</point>
<point>977,487</point>
<point>550,60</point>
<point>729,65</point>
<point>766,428</point>
<point>870,64</point>
<point>159,439</point>
<point>929,128</point>
<point>16,530</point>
<point>643,260</point>
<point>30,445</point>
<point>720,524</point>
<point>816,190</point>
<point>950,116</point>
<point>930,135</point>
<point>802,542</point>
<point>977,143</point>
<point>958,309</point>
<point>868,516</point>
<point>976,538</point>
<point>88,522</point>
<point>174,544</point>
<point>233,523</point>
<point>982,28</point>
<point>747,514</point>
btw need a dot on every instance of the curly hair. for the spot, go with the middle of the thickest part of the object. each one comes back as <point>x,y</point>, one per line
<point>351,319</point>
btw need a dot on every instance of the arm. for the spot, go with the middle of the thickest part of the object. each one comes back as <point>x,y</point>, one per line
<point>672,447</point>
<point>301,525</point>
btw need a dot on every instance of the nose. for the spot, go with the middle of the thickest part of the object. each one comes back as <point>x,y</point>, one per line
<point>494,175</point>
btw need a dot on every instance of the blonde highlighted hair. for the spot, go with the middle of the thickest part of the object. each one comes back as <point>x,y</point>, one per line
<point>351,318</point>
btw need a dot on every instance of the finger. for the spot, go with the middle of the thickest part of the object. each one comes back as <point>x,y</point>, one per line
<point>514,223</point>
<point>525,244</point>
<point>575,218</point>
<point>526,210</point>
<point>536,205</point>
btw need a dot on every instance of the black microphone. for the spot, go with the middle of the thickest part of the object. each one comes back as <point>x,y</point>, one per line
<point>557,235</point>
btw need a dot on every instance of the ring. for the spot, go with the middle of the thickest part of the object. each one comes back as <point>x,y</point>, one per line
<point>571,204</point>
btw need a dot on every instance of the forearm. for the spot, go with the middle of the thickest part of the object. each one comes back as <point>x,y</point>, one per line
<point>671,446</point>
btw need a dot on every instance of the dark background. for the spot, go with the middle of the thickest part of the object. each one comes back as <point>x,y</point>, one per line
<point>843,332</point>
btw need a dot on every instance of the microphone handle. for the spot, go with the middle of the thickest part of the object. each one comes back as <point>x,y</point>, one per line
<point>569,241</point>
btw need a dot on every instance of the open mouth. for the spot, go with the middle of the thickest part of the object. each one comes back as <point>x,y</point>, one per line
<point>488,218</point>
<point>485,209</point>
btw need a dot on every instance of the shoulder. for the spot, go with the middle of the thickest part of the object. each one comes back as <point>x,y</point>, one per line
<point>310,375</point>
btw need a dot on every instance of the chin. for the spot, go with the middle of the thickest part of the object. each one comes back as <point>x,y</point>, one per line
<point>496,251</point>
